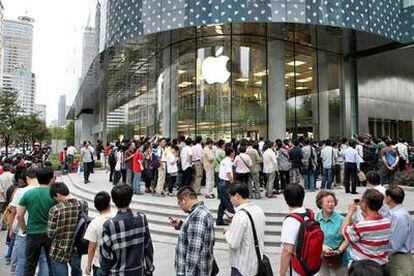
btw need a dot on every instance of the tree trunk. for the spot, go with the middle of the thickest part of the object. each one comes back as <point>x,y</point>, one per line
<point>6,141</point>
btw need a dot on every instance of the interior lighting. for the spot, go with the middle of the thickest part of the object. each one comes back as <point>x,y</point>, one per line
<point>296,63</point>
<point>305,80</point>
<point>301,88</point>
<point>181,72</point>
<point>292,74</point>
<point>260,74</point>
<point>242,80</point>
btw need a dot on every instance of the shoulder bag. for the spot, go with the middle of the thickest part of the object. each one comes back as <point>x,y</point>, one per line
<point>265,269</point>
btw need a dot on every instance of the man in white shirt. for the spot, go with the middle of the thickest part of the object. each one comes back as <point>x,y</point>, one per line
<point>402,150</point>
<point>162,169</point>
<point>226,178</point>
<point>186,156</point>
<point>294,195</point>
<point>239,235</point>
<point>198,164</point>
<point>70,154</point>
<point>208,163</point>
<point>328,162</point>
<point>270,168</point>
<point>93,234</point>
<point>352,165</point>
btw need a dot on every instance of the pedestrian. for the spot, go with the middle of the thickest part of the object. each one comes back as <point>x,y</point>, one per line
<point>186,157</point>
<point>128,156</point>
<point>119,165</point>
<point>401,243</point>
<point>87,159</point>
<point>194,254</point>
<point>20,243</point>
<point>328,164</point>
<point>335,257</point>
<point>219,155</point>
<point>283,164</point>
<point>390,160</point>
<point>162,169</point>
<point>295,157</point>
<point>172,167</point>
<point>148,174</point>
<point>239,235</point>
<point>290,264</point>
<point>93,234</point>
<point>243,163</point>
<point>254,177</point>
<point>226,179</point>
<point>197,156</point>
<point>269,168</point>
<point>62,222</point>
<point>402,150</point>
<point>366,267</point>
<point>310,163</point>
<point>368,237</point>
<point>137,168</point>
<point>37,203</point>
<point>126,246</point>
<point>70,155</point>
<point>352,166</point>
<point>112,161</point>
<point>208,164</point>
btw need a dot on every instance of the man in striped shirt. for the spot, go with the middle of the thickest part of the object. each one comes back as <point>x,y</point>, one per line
<point>370,236</point>
<point>126,246</point>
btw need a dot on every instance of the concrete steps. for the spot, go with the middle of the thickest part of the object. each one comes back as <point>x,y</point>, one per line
<point>158,213</point>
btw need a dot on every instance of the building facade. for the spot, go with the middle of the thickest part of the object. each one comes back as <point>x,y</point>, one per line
<point>40,111</point>
<point>62,111</point>
<point>249,69</point>
<point>1,41</point>
<point>17,61</point>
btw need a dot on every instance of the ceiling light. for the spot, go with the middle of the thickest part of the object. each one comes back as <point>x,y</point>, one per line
<point>292,74</point>
<point>242,80</point>
<point>305,80</point>
<point>181,71</point>
<point>184,84</point>
<point>260,74</point>
<point>296,63</point>
<point>301,88</point>
<point>258,83</point>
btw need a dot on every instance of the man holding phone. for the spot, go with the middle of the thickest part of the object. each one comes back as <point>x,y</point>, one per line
<point>194,251</point>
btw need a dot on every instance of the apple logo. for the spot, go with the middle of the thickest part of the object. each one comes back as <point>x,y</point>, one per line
<point>214,69</point>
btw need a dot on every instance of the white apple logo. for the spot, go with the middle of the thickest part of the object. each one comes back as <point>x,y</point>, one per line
<point>214,69</point>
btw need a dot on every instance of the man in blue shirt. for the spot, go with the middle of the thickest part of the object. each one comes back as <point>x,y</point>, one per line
<point>401,242</point>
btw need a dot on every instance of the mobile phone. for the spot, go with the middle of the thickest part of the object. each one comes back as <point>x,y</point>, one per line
<point>357,200</point>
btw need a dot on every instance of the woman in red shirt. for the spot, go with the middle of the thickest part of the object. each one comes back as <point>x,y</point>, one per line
<point>137,168</point>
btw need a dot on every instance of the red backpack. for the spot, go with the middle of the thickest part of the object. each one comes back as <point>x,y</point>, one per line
<point>307,255</point>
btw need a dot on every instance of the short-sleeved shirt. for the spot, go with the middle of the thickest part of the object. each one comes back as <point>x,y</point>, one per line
<point>136,166</point>
<point>128,163</point>
<point>94,234</point>
<point>226,166</point>
<point>38,203</point>
<point>219,155</point>
<point>186,152</point>
<point>15,203</point>
<point>369,239</point>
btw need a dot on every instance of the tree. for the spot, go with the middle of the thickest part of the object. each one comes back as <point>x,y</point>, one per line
<point>9,108</point>
<point>70,133</point>
<point>29,128</point>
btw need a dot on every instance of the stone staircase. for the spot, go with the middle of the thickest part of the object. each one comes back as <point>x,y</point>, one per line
<point>158,214</point>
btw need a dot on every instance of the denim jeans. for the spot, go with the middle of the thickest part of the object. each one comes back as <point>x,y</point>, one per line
<point>327,178</point>
<point>33,249</point>
<point>225,203</point>
<point>9,251</point>
<point>310,180</point>
<point>21,255</point>
<point>136,184</point>
<point>61,269</point>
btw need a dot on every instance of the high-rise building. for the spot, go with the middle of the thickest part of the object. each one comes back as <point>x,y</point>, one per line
<point>40,111</point>
<point>17,61</point>
<point>62,111</point>
<point>89,48</point>
<point>1,42</point>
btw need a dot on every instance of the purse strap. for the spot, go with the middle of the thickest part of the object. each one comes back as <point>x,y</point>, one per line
<point>256,241</point>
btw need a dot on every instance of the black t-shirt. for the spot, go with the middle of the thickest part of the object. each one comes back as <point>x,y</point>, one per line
<point>295,155</point>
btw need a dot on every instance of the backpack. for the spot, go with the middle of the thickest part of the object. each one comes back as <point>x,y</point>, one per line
<point>307,255</point>
<point>111,157</point>
<point>369,154</point>
<point>79,244</point>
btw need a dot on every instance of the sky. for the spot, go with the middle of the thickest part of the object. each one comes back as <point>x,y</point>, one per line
<point>57,45</point>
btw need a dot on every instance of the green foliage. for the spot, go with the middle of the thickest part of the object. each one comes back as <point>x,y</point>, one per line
<point>9,108</point>
<point>29,128</point>
<point>70,133</point>
<point>58,133</point>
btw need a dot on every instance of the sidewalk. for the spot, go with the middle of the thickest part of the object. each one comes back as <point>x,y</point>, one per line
<point>99,182</point>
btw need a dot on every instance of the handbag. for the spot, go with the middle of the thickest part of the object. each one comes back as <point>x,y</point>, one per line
<point>265,269</point>
<point>215,270</point>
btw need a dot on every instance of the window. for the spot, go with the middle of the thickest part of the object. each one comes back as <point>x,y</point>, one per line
<point>408,3</point>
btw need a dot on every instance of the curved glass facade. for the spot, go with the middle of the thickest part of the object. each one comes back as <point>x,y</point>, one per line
<point>234,81</point>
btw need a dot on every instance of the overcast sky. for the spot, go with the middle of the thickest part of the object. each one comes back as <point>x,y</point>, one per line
<point>57,46</point>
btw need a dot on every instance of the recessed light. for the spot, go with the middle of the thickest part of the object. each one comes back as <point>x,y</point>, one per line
<point>301,88</point>
<point>242,80</point>
<point>292,74</point>
<point>296,63</point>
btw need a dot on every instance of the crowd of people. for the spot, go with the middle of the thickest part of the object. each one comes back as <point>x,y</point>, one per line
<point>49,231</point>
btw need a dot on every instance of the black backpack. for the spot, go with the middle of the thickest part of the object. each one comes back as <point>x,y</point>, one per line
<point>79,244</point>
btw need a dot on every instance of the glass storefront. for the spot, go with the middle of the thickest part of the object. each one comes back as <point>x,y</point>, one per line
<point>233,81</point>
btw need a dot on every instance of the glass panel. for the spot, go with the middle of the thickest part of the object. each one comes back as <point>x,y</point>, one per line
<point>213,88</point>
<point>291,99</point>
<point>249,87</point>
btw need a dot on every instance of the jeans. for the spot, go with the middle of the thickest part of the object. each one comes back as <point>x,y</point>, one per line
<point>350,177</point>
<point>9,251</point>
<point>310,180</point>
<point>137,183</point>
<point>117,177</point>
<point>171,180</point>
<point>284,179</point>
<point>21,255</point>
<point>61,269</point>
<point>129,175</point>
<point>225,203</point>
<point>34,245</point>
<point>87,168</point>
<point>243,177</point>
<point>327,178</point>
<point>111,172</point>
<point>97,271</point>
